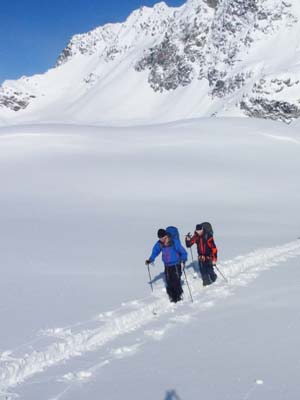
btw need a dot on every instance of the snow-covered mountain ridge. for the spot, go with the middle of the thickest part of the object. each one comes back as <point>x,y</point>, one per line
<point>205,58</point>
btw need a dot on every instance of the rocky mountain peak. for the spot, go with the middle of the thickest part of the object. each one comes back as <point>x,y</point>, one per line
<point>112,39</point>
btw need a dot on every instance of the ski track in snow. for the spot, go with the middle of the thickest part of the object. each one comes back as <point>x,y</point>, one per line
<point>16,366</point>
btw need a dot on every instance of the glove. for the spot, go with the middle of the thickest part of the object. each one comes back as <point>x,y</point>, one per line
<point>188,235</point>
<point>147,262</point>
<point>201,258</point>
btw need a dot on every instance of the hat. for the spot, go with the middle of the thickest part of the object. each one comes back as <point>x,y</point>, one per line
<point>199,227</point>
<point>161,233</point>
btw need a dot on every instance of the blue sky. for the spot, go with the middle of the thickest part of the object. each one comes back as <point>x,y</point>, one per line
<point>34,32</point>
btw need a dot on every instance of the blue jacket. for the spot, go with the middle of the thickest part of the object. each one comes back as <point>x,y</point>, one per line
<point>171,255</point>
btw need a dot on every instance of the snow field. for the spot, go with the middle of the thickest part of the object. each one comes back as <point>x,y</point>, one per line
<point>239,271</point>
<point>79,215</point>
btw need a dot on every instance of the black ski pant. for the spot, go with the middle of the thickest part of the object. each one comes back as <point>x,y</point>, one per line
<point>173,282</point>
<point>207,272</point>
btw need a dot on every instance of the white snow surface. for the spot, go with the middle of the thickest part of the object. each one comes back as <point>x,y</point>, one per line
<point>80,206</point>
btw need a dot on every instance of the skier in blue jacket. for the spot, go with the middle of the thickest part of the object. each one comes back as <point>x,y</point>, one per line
<point>173,255</point>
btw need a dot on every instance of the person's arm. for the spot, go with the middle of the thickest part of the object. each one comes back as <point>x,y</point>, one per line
<point>214,251</point>
<point>155,252</point>
<point>189,241</point>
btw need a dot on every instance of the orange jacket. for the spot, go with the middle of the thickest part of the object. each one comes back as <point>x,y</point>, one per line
<point>205,246</point>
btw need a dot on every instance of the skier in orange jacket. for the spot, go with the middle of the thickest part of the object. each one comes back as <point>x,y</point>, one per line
<point>207,252</point>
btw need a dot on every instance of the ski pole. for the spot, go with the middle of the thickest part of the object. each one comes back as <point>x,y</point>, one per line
<point>150,278</point>
<point>192,256</point>
<point>188,284</point>
<point>200,267</point>
<point>189,235</point>
<point>223,276</point>
<point>193,263</point>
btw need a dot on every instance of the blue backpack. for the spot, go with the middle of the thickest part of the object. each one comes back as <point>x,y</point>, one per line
<point>173,232</point>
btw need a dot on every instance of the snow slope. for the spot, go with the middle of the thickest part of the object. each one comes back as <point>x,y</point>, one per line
<point>80,207</point>
<point>164,64</point>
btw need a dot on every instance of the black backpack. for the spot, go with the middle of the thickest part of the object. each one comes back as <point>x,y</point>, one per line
<point>207,228</point>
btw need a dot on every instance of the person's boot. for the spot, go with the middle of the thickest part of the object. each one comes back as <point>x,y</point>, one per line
<point>213,277</point>
<point>206,280</point>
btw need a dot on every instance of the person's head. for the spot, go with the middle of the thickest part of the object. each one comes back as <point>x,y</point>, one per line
<point>162,235</point>
<point>199,229</point>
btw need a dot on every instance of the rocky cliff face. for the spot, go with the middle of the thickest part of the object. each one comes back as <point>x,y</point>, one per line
<point>14,100</point>
<point>211,42</point>
<point>269,99</point>
<point>221,42</point>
